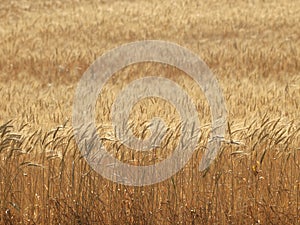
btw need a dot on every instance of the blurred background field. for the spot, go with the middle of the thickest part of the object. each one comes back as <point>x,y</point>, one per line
<point>253,48</point>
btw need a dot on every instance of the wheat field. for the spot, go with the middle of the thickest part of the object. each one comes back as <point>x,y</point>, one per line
<point>252,47</point>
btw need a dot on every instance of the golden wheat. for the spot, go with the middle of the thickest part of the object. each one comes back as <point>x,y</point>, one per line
<point>252,47</point>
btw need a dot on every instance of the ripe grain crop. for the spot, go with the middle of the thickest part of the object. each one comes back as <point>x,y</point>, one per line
<point>251,46</point>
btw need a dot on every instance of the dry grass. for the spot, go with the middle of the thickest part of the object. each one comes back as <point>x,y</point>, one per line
<point>253,48</point>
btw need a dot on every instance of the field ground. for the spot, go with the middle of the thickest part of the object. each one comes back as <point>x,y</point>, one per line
<point>253,47</point>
